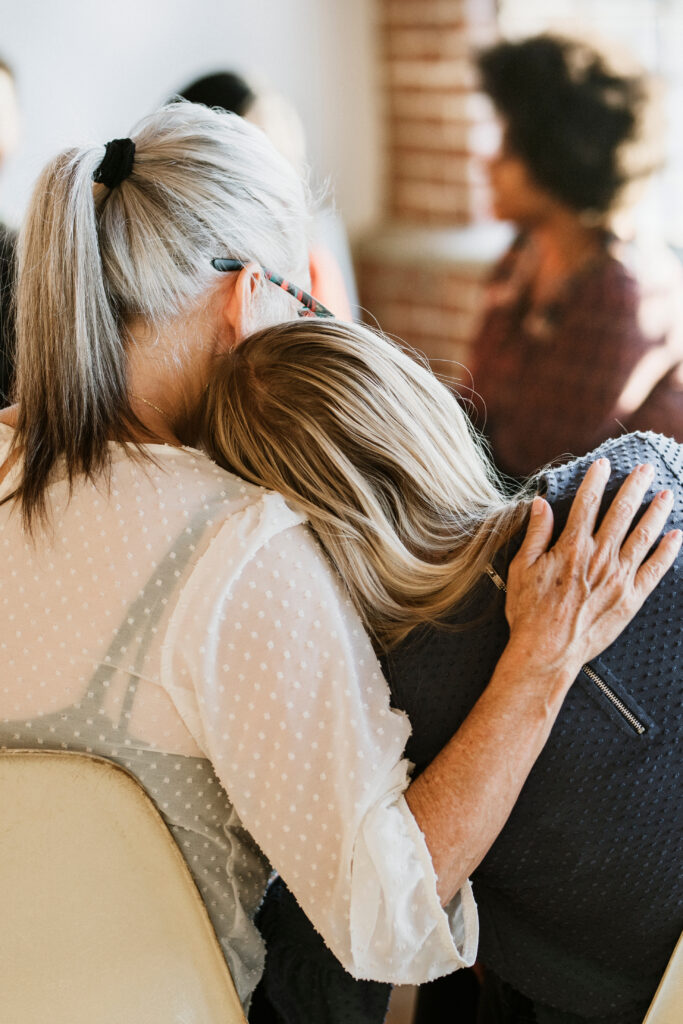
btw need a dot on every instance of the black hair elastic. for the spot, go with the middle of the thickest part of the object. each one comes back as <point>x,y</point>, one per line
<point>117,162</point>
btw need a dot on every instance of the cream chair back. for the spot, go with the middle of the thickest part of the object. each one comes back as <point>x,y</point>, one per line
<point>101,920</point>
<point>667,1005</point>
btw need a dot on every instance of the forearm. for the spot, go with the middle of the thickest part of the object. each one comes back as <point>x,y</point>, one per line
<point>463,798</point>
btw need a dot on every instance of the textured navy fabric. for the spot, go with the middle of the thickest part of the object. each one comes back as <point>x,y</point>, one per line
<point>580,897</point>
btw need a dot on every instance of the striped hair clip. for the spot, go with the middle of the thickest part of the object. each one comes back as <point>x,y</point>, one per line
<point>311,306</point>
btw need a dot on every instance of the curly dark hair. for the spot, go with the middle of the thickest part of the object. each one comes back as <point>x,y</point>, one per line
<point>224,89</point>
<point>585,128</point>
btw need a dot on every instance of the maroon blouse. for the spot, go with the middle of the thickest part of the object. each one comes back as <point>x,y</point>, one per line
<point>605,357</point>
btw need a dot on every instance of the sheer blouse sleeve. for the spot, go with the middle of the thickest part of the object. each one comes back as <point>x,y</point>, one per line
<point>271,669</point>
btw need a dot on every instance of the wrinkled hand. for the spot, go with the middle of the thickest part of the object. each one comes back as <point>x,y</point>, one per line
<point>568,603</point>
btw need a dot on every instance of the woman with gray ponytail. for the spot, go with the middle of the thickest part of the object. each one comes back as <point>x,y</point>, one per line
<point>161,611</point>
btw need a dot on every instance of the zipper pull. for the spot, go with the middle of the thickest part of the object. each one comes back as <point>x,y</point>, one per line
<point>493,575</point>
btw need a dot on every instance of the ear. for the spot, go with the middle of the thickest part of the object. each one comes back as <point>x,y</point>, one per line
<point>235,304</point>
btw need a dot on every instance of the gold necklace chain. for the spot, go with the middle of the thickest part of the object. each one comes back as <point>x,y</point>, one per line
<point>156,408</point>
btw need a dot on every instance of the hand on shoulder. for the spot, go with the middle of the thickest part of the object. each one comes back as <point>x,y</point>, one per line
<point>567,603</point>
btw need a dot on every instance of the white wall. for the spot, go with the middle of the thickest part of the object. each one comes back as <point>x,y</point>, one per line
<point>87,69</point>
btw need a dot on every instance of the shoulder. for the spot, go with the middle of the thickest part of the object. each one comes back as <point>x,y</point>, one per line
<point>181,493</point>
<point>624,453</point>
<point>185,478</point>
<point>263,536</point>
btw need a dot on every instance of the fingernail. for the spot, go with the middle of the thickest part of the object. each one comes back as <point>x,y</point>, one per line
<point>675,535</point>
<point>646,469</point>
<point>604,465</point>
<point>537,506</point>
<point>664,496</point>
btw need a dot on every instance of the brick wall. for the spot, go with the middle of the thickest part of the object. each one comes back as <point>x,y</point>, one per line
<point>436,127</point>
<point>435,120</point>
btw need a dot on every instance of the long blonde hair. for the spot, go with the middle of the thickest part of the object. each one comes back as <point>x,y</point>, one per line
<point>203,184</point>
<point>377,453</point>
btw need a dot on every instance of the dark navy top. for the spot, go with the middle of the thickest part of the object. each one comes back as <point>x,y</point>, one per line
<point>580,898</point>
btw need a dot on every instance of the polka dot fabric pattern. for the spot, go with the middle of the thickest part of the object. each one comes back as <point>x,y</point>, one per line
<point>186,625</point>
<point>580,898</point>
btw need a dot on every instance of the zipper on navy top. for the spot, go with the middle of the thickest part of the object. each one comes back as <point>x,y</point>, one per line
<point>589,672</point>
<point>634,722</point>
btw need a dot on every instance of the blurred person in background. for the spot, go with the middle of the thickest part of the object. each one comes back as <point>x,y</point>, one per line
<point>9,131</point>
<point>581,336</point>
<point>330,266</point>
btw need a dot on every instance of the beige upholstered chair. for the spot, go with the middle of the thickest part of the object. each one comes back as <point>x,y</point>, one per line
<point>667,1005</point>
<point>101,920</point>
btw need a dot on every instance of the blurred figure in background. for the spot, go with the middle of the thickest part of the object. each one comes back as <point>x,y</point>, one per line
<point>582,333</point>
<point>331,270</point>
<point>9,131</point>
